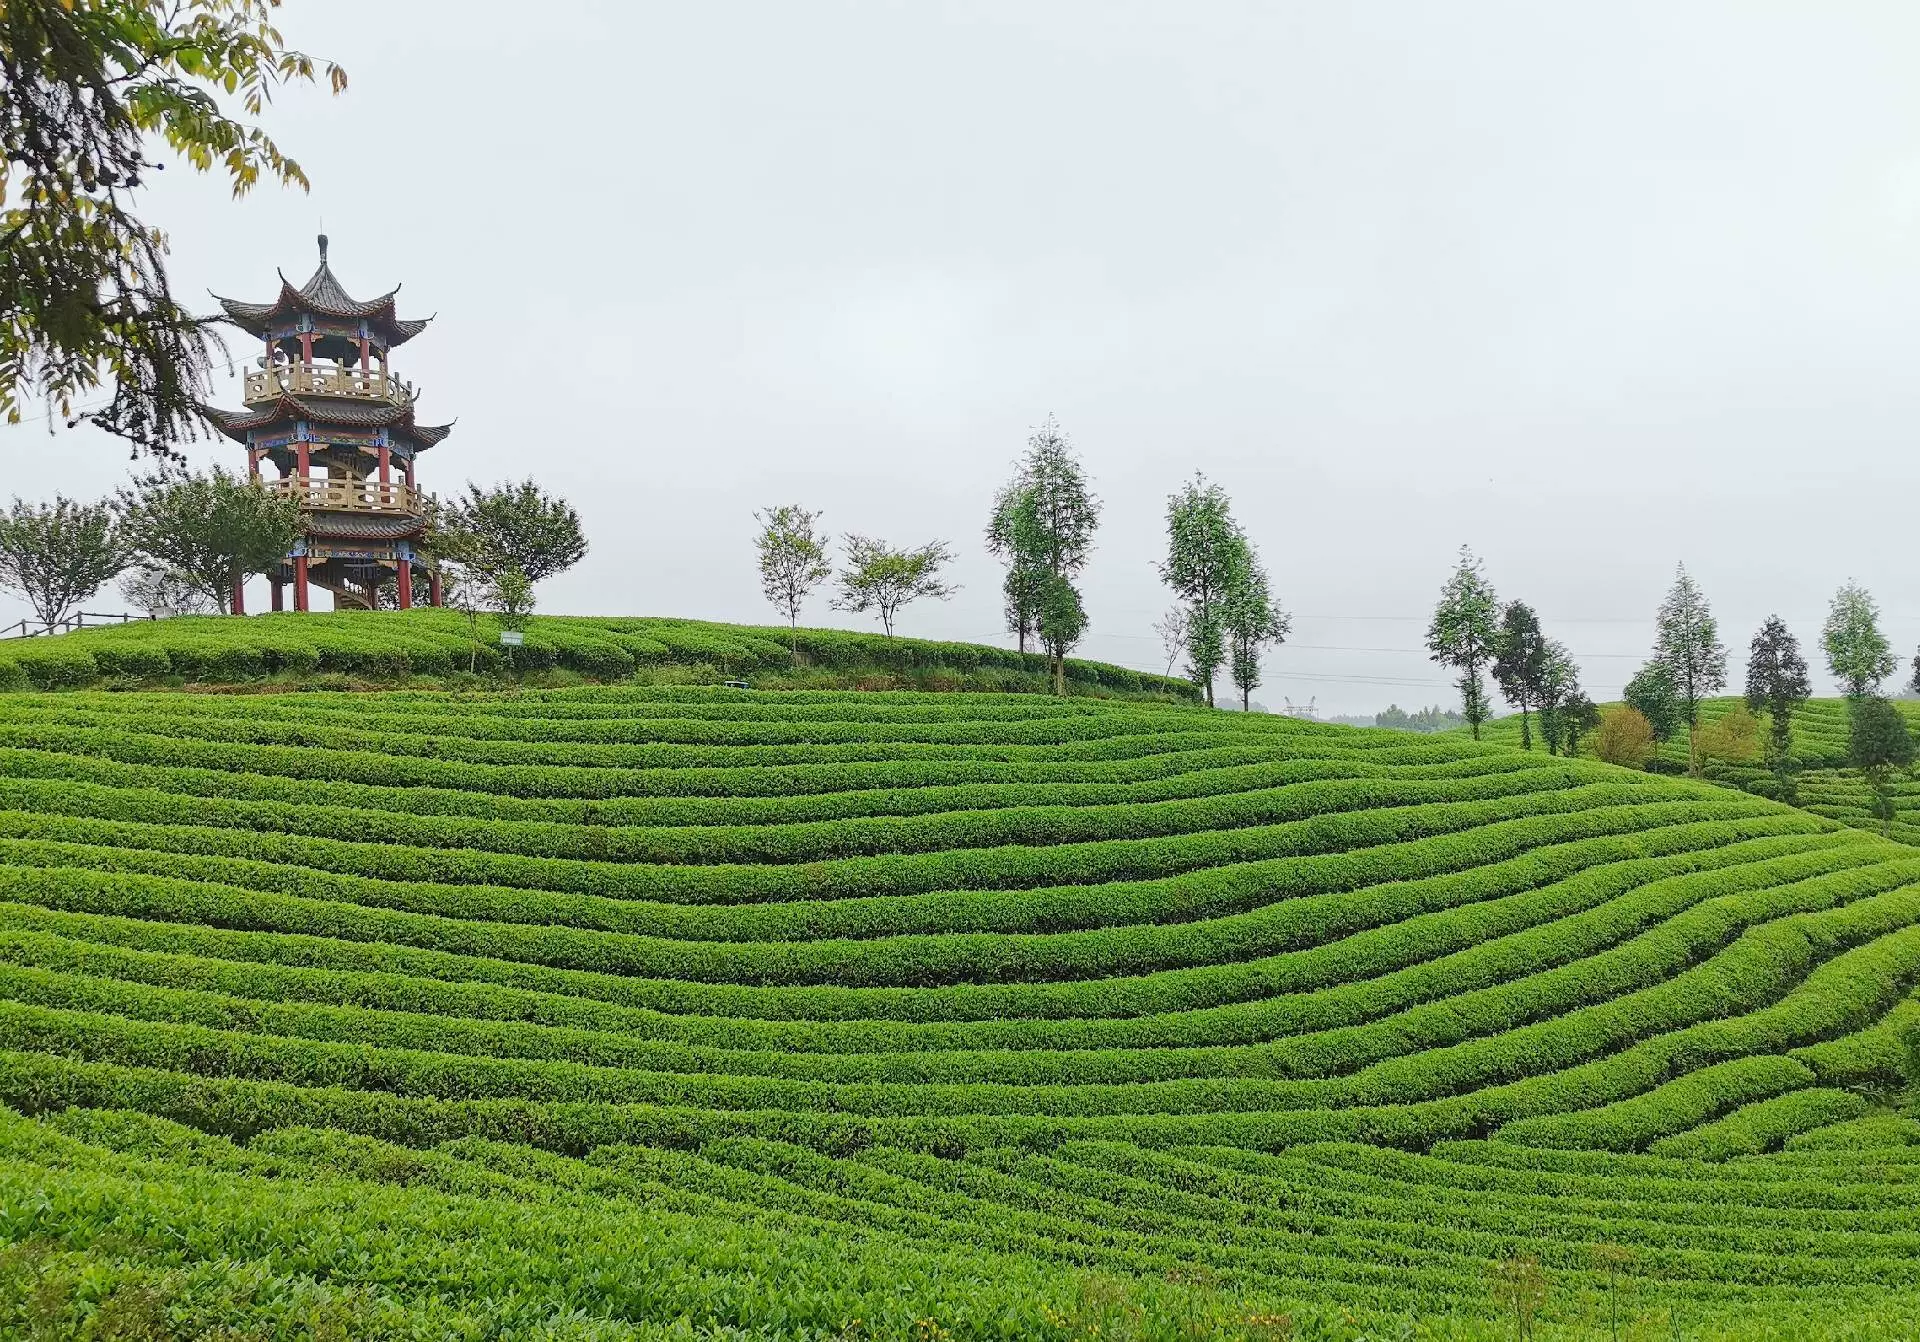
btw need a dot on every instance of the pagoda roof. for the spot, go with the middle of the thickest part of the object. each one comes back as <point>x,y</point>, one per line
<point>324,295</point>
<point>359,414</point>
<point>358,526</point>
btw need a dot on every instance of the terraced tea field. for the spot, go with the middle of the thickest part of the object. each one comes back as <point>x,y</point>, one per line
<point>1825,784</point>
<point>693,1013</point>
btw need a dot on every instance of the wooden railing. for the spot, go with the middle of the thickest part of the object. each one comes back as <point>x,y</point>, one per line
<point>77,620</point>
<point>351,496</point>
<point>313,379</point>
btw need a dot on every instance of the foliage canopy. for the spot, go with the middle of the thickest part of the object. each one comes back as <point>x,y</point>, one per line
<point>86,88</point>
<point>58,554</point>
<point>883,578</point>
<point>1464,633</point>
<point>1858,654</point>
<point>208,531</point>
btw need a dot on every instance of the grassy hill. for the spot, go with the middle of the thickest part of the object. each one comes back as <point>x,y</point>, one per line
<point>680,1012</point>
<point>442,648</point>
<point>1825,785</point>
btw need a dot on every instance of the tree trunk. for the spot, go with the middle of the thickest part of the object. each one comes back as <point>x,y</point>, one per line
<point>1246,699</point>
<point>1526,728</point>
<point>793,630</point>
<point>1060,674</point>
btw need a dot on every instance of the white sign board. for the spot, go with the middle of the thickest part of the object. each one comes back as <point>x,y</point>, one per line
<point>512,638</point>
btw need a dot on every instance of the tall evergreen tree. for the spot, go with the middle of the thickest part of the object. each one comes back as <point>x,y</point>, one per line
<point>1025,582</point>
<point>1558,690</point>
<point>1042,525</point>
<point>1520,663</point>
<point>1205,549</point>
<point>1578,715</point>
<point>1465,627</point>
<point>1858,654</point>
<point>1687,647</point>
<point>1878,744</point>
<point>1777,681</point>
<point>1254,621</point>
<point>1061,625</point>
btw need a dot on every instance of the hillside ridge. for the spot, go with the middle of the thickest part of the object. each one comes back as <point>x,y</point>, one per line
<point>439,648</point>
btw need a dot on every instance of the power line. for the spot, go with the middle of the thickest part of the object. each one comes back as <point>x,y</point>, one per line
<point>79,412</point>
<point>1342,647</point>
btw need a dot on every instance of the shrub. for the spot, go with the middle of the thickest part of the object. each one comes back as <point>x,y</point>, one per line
<point>1733,737</point>
<point>1624,737</point>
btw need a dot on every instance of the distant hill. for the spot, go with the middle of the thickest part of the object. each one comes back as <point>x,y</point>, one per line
<point>372,648</point>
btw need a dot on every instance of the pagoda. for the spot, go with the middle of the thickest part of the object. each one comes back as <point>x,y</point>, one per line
<point>325,408</point>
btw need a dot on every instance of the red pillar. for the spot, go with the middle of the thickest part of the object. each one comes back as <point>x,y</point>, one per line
<point>279,595</point>
<point>406,584</point>
<point>433,589</point>
<point>253,462</point>
<point>409,464</point>
<point>300,582</point>
<point>303,462</point>
<point>386,457</point>
<point>240,595</point>
<point>306,349</point>
<point>363,354</point>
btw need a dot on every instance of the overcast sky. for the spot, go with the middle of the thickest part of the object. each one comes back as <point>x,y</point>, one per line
<point>1594,289</point>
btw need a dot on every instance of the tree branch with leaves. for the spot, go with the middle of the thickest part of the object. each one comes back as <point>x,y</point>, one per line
<point>87,87</point>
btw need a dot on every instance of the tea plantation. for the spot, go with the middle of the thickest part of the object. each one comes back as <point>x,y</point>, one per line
<point>352,649</point>
<point>1823,782</point>
<point>683,1012</point>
